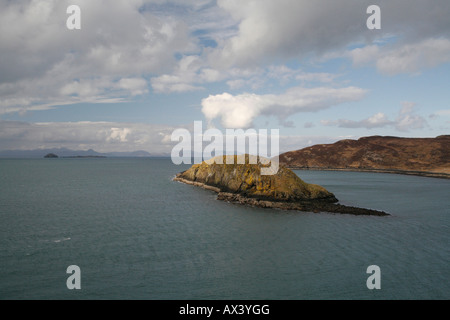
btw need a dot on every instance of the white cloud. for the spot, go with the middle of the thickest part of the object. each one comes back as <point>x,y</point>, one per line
<point>184,77</point>
<point>236,84</point>
<point>50,91</point>
<point>136,86</point>
<point>119,134</point>
<point>192,74</point>
<point>198,15</point>
<point>364,55</point>
<point>236,112</point>
<point>378,120</point>
<point>406,120</point>
<point>442,112</point>
<point>413,58</point>
<point>170,84</point>
<point>323,77</point>
<point>239,111</point>
<point>286,29</point>
<point>407,58</point>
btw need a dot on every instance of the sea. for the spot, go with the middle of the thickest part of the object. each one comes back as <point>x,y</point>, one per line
<point>135,234</point>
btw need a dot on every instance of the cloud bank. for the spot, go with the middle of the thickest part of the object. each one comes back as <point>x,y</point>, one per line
<point>45,64</point>
<point>84,135</point>
<point>406,120</point>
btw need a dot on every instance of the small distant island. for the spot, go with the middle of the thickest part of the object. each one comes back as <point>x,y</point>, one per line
<point>244,184</point>
<point>51,155</point>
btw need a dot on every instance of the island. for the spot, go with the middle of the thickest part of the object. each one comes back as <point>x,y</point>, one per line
<point>50,155</point>
<point>244,184</point>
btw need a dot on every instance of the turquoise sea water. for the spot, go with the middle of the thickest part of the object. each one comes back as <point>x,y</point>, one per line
<point>136,234</point>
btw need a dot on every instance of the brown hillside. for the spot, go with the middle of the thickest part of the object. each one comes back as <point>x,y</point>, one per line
<point>430,155</point>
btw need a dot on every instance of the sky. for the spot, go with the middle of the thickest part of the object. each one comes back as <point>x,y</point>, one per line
<point>139,69</point>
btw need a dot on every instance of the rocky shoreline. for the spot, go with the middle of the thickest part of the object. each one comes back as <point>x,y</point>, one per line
<point>306,206</point>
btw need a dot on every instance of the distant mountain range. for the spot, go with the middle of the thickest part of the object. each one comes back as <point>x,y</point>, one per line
<point>419,156</point>
<point>64,152</point>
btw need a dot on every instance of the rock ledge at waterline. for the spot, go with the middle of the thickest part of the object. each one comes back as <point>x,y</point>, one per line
<point>244,184</point>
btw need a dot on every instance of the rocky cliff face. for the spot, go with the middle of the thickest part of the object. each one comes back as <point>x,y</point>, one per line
<point>244,184</point>
<point>376,153</point>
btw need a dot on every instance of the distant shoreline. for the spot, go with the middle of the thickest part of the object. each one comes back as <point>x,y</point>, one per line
<point>77,157</point>
<point>427,174</point>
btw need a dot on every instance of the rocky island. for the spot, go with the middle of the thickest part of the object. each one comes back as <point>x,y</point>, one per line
<point>244,184</point>
<point>51,155</point>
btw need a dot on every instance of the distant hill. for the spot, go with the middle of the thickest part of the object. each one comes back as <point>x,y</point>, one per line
<point>420,156</point>
<point>64,152</point>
